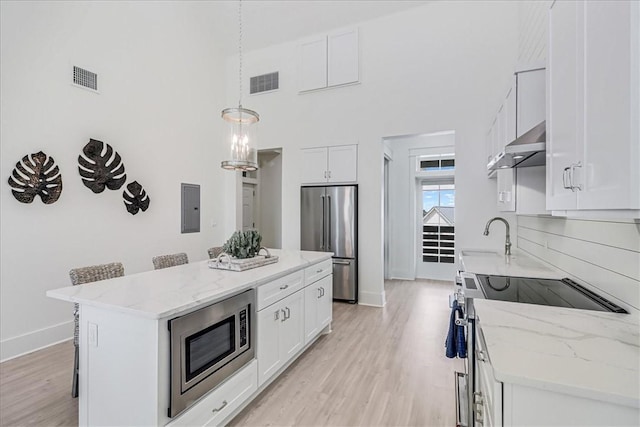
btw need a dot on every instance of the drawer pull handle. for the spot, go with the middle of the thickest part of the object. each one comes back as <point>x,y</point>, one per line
<point>224,403</point>
<point>319,270</point>
<point>282,288</point>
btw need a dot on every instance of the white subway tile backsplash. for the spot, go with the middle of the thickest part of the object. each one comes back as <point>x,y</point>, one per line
<point>603,254</point>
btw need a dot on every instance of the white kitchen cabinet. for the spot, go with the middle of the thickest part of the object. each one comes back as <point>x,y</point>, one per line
<point>216,406</point>
<point>593,148</point>
<point>343,58</point>
<point>337,164</point>
<point>317,307</point>
<point>329,60</point>
<point>342,164</point>
<point>280,334</point>
<point>313,64</point>
<point>487,396</point>
<point>497,403</point>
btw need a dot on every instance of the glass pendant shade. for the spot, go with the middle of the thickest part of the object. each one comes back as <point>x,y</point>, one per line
<point>241,135</point>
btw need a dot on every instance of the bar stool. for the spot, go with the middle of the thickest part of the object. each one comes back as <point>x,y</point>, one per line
<point>165,261</point>
<point>81,276</point>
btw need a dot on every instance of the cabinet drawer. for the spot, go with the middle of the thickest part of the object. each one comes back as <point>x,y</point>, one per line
<point>490,389</point>
<point>317,271</point>
<point>220,403</point>
<point>273,292</point>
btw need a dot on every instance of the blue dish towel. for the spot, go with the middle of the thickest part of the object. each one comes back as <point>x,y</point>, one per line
<point>455,344</point>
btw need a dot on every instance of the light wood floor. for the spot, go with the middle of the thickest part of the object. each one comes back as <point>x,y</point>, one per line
<point>378,367</point>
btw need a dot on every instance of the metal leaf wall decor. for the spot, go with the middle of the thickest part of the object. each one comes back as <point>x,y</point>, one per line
<point>135,198</point>
<point>36,175</point>
<point>100,166</point>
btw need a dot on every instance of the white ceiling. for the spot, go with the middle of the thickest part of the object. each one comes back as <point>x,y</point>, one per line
<point>269,22</point>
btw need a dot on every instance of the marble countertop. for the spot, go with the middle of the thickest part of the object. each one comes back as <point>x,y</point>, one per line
<point>590,354</point>
<point>519,264</point>
<point>162,293</point>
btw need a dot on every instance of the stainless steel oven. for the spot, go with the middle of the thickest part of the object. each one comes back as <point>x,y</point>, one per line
<point>208,346</point>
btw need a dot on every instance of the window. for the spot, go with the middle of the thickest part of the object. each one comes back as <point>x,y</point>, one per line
<point>438,223</point>
<point>432,165</point>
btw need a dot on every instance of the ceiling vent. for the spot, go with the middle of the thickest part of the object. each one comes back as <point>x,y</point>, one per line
<point>264,83</point>
<point>85,78</point>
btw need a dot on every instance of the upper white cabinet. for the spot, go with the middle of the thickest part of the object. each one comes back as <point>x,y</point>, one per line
<point>343,64</point>
<point>330,60</point>
<point>330,164</point>
<point>313,64</point>
<point>593,148</point>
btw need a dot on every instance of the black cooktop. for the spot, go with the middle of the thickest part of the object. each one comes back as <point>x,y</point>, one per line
<point>558,293</point>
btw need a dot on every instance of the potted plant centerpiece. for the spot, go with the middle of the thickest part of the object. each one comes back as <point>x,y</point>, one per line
<point>242,252</point>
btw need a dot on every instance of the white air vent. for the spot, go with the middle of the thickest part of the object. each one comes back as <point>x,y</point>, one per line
<point>264,83</point>
<point>85,78</point>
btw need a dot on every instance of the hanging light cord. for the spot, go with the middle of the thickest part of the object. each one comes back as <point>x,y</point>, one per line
<point>240,50</point>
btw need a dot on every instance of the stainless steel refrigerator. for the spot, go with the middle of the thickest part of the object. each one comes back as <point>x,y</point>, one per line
<point>329,223</point>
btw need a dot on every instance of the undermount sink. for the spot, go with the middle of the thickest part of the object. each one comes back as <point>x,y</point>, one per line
<point>478,252</point>
<point>486,261</point>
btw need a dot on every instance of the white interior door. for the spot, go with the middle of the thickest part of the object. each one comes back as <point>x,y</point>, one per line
<point>248,206</point>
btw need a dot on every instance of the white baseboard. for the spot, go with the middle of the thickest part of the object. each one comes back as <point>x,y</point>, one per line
<point>13,347</point>
<point>373,299</point>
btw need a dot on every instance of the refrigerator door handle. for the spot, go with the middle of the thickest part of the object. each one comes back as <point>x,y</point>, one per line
<point>323,221</point>
<point>329,223</point>
<point>335,261</point>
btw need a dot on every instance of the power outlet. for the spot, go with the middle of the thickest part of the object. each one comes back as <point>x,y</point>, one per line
<point>93,334</point>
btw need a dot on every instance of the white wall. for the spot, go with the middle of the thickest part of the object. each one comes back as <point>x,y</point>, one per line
<point>402,201</point>
<point>440,66</point>
<point>270,199</point>
<point>158,106</point>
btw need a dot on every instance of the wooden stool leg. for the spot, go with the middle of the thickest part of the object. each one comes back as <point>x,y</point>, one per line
<point>74,389</point>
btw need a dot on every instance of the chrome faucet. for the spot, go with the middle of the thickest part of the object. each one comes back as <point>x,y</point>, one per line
<point>507,242</point>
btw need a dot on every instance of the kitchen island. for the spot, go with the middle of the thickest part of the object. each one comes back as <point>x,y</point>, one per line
<point>125,339</point>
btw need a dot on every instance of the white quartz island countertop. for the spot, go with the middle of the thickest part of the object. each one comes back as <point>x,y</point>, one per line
<point>163,293</point>
<point>591,354</point>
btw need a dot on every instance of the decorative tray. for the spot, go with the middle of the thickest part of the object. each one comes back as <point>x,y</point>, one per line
<point>226,262</point>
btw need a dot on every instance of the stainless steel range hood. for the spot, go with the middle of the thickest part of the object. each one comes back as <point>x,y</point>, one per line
<point>527,150</point>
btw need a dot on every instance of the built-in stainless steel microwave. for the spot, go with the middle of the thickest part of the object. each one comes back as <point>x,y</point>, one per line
<point>208,346</point>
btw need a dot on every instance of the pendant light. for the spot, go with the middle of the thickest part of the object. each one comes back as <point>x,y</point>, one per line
<point>241,125</point>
